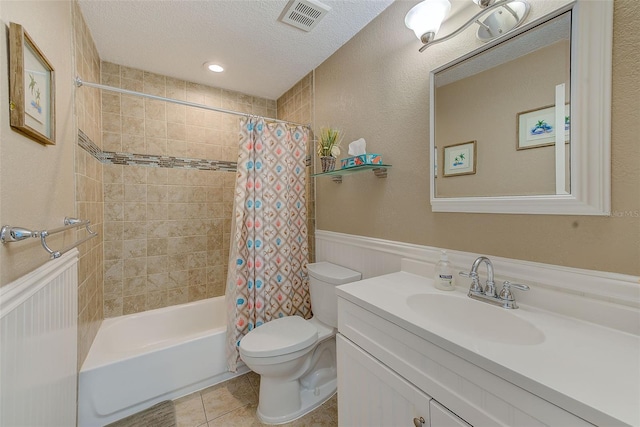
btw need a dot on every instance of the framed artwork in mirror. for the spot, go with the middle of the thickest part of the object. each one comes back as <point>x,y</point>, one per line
<point>537,128</point>
<point>460,159</point>
<point>31,88</point>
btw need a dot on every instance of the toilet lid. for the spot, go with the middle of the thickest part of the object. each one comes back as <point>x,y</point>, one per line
<point>280,336</point>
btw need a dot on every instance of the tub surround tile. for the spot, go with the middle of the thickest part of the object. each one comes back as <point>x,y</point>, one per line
<point>168,179</point>
<point>133,304</point>
<point>177,296</point>
<point>134,286</point>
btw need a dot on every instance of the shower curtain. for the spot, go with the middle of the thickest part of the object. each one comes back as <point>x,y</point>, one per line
<point>268,255</point>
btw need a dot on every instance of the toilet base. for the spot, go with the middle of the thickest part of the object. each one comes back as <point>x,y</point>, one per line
<point>309,400</point>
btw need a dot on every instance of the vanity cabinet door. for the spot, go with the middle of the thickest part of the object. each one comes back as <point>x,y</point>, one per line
<point>442,417</point>
<point>370,394</point>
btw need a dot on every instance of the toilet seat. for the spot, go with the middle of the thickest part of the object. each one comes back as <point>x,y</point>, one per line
<point>279,337</point>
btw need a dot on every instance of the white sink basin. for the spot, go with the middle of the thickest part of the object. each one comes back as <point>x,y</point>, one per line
<point>475,318</point>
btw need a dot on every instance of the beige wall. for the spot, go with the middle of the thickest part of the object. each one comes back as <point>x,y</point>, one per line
<point>296,105</point>
<point>89,194</point>
<point>376,87</point>
<point>167,231</point>
<point>36,181</point>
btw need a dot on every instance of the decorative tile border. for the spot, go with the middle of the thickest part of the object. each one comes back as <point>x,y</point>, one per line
<point>154,161</point>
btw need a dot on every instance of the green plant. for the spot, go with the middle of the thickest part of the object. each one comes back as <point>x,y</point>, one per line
<point>329,142</point>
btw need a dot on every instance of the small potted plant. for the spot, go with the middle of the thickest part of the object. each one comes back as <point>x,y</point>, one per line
<point>329,147</point>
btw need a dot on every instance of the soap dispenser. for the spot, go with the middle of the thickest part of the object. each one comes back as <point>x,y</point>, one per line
<point>443,278</point>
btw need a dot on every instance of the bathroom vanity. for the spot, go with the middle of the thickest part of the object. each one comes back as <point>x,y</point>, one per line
<point>409,353</point>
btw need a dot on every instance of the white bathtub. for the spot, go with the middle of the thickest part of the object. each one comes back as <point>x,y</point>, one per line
<point>141,359</point>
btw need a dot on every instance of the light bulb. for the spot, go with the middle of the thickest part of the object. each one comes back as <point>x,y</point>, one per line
<point>427,16</point>
<point>213,67</point>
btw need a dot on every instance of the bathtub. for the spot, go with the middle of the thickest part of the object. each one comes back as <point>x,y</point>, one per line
<point>141,359</point>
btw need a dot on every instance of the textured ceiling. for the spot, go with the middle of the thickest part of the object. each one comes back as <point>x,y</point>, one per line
<point>261,55</point>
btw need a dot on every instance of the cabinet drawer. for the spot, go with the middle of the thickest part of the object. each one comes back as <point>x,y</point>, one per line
<point>478,396</point>
<point>442,417</point>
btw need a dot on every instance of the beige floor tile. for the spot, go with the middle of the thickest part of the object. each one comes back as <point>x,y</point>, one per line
<point>190,411</point>
<point>240,417</point>
<point>234,403</point>
<point>228,396</point>
<point>254,380</point>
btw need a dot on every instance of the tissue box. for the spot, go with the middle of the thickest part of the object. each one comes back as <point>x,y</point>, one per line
<point>362,159</point>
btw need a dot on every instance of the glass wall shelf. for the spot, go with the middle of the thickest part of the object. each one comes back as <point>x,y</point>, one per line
<point>336,175</point>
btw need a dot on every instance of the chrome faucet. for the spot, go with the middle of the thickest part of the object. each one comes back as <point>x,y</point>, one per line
<point>488,292</point>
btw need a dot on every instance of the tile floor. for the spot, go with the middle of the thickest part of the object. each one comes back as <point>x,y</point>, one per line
<point>233,403</point>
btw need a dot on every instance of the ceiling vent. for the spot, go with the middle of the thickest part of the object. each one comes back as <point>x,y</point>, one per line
<point>304,14</point>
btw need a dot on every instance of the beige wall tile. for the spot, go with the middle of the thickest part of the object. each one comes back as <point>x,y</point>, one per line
<point>133,304</point>
<point>157,211</point>
<point>157,193</point>
<point>157,247</point>
<point>134,286</point>
<point>156,264</point>
<point>157,282</point>
<point>156,146</point>
<point>134,211</point>
<point>134,267</point>
<point>134,230</point>
<point>131,73</point>
<point>111,103</point>
<point>133,125</point>
<point>132,106</point>
<point>135,193</point>
<point>156,176</point>
<point>177,131</point>
<point>113,306</point>
<point>156,300</point>
<point>111,123</point>
<point>134,248</point>
<point>112,141</point>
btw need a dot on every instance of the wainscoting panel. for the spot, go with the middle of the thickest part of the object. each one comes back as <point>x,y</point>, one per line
<point>38,346</point>
<point>609,299</point>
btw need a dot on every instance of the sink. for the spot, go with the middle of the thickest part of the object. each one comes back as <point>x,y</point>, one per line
<point>476,319</point>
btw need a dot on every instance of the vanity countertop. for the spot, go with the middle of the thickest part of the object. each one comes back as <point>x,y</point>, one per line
<point>589,370</point>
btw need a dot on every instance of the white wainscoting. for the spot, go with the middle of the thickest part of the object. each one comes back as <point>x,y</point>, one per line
<point>38,346</point>
<point>608,299</point>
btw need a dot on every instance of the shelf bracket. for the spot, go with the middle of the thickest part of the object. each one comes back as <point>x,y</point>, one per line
<point>380,172</point>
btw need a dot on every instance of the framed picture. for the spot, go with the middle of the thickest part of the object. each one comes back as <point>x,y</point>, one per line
<point>537,128</point>
<point>460,159</point>
<point>31,88</point>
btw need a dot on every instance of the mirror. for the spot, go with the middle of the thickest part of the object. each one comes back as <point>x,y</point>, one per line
<point>494,139</point>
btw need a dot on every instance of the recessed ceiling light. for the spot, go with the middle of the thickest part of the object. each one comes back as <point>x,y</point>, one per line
<point>214,67</point>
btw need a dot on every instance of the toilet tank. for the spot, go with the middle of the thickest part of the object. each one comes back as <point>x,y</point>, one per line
<point>323,279</point>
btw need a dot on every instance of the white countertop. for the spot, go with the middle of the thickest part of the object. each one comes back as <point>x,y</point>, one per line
<point>589,370</point>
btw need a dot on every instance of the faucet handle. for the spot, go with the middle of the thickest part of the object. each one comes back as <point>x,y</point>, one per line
<point>505,293</point>
<point>508,284</point>
<point>475,281</point>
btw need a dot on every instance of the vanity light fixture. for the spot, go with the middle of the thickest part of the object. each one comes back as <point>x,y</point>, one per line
<point>494,20</point>
<point>213,67</point>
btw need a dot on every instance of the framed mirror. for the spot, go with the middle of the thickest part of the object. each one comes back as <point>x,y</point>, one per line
<point>537,105</point>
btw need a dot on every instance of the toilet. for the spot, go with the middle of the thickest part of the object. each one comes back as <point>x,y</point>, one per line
<point>296,358</point>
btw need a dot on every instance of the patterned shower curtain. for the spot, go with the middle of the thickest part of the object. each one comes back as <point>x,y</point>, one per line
<point>268,255</point>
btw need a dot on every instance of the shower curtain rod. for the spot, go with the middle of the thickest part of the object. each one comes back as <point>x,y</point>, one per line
<point>79,83</point>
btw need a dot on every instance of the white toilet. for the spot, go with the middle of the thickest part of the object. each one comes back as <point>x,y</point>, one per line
<point>296,358</point>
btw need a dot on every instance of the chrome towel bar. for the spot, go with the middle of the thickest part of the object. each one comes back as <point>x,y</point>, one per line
<point>9,234</point>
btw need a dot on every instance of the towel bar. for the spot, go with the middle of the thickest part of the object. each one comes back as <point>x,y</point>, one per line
<point>9,234</point>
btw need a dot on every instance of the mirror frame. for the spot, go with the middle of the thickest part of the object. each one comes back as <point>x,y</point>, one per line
<point>591,46</point>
